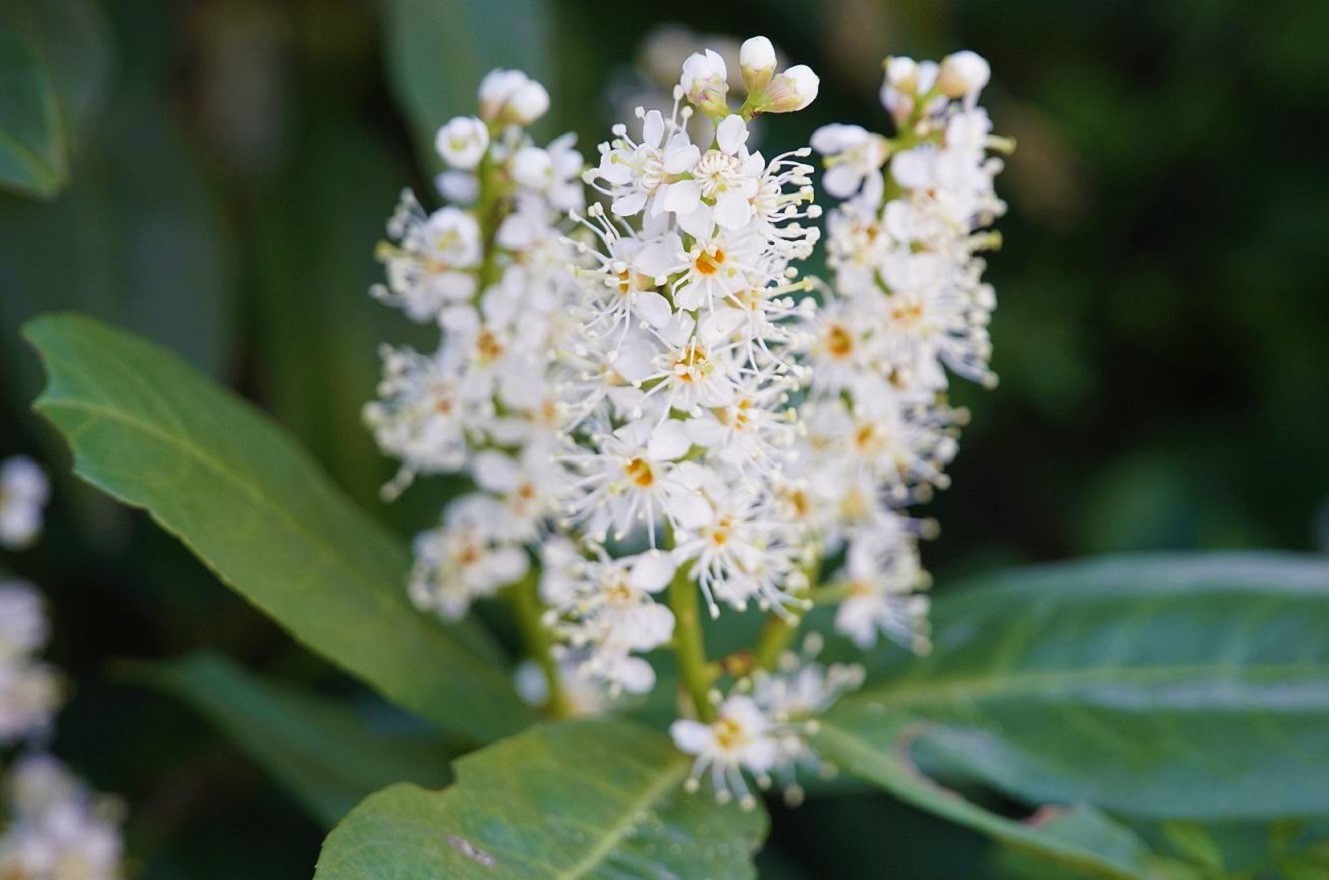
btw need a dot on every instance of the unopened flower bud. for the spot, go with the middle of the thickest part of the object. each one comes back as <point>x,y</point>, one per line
<point>792,90</point>
<point>705,81</point>
<point>462,142</point>
<point>528,103</point>
<point>495,90</point>
<point>756,59</point>
<point>902,74</point>
<point>964,73</point>
<point>510,96</point>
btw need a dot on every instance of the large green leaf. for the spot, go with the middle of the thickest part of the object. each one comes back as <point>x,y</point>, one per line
<point>438,50</point>
<point>1192,686</point>
<point>211,470</point>
<point>1080,841</point>
<point>33,158</point>
<point>328,755</point>
<point>574,800</point>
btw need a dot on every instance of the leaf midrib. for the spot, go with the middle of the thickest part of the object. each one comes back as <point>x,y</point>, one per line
<point>938,690</point>
<point>654,793</point>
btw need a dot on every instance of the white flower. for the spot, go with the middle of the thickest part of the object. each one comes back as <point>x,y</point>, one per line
<point>23,494</point>
<point>608,615</point>
<point>464,559</point>
<point>433,261</point>
<point>23,628</point>
<point>705,82</point>
<point>742,738</point>
<point>794,695</point>
<point>853,156</point>
<point>58,830</point>
<point>884,577</point>
<point>636,478</point>
<point>29,689</point>
<point>654,170</point>
<point>584,697</point>
<point>462,142</point>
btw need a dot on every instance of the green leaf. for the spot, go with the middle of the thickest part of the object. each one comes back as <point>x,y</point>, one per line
<point>214,472</point>
<point>326,754</point>
<point>1195,843</point>
<point>1157,687</point>
<point>33,157</point>
<point>74,40</point>
<point>1078,839</point>
<point>574,800</point>
<point>137,219</point>
<point>438,50</point>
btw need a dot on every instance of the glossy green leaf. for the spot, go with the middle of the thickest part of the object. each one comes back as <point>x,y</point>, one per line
<point>33,158</point>
<point>574,800</point>
<point>328,755</point>
<point>438,50</point>
<point>1079,840</point>
<point>1158,687</point>
<point>211,470</point>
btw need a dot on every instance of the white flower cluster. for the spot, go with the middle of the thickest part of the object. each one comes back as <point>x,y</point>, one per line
<point>23,495</point>
<point>29,689</point>
<point>677,386</point>
<point>58,829</point>
<point>908,307</point>
<point>762,727</point>
<point>55,828</point>
<point>491,270</point>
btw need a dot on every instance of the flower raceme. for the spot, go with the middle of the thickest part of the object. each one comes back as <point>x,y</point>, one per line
<point>490,271</point>
<point>659,413</point>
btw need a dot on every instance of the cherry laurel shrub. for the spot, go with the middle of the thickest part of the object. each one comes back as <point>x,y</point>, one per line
<point>691,477</point>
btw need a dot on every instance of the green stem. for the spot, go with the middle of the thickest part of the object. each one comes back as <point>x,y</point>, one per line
<point>529,611</point>
<point>778,630</point>
<point>688,645</point>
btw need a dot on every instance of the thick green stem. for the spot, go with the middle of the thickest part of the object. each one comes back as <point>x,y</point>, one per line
<point>529,611</point>
<point>688,645</point>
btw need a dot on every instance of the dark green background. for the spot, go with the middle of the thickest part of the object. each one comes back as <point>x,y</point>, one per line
<point>1162,338</point>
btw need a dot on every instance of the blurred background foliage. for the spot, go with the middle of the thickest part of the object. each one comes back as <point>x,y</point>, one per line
<point>215,173</point>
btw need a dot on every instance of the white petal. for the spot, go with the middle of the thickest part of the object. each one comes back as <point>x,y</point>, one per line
<point>698,223</point>
<point>652,128</point>
<point>653,307</point>
<point>733,210</point>
<point>682,197</point>
<point>692,737</point>
<point>668,442</point>
<point>841,180</point>
<point>681,156</point>
<point>629,204</point>
<point>636,675</point>
<point>652,571</point>
<point>732,134</point>
<point>495,471</point>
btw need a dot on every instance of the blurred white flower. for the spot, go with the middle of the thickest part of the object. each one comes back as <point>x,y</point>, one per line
<point>24,491</point>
